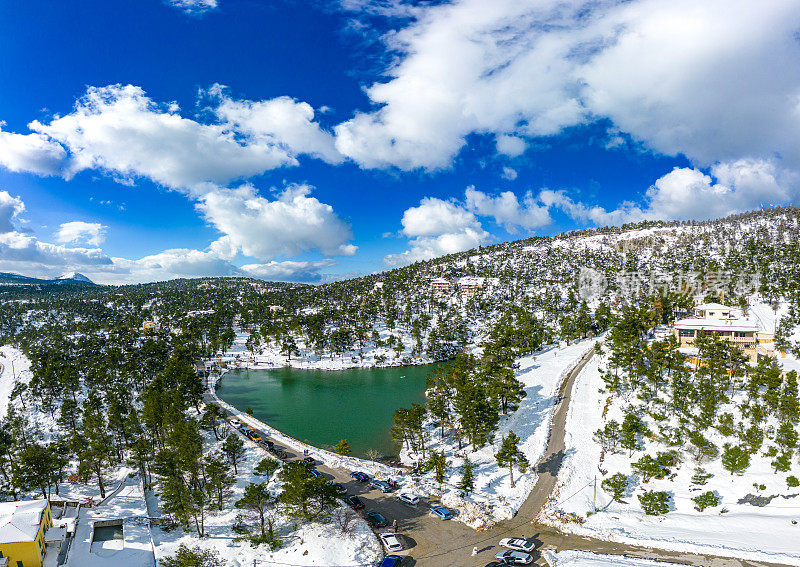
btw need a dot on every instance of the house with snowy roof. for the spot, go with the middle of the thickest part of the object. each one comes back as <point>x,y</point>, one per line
<point>22,532</point>
<point>729,324</point>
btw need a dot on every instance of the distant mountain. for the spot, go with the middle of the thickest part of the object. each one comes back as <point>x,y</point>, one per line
<point>74,277</point>
<point>68,278</point>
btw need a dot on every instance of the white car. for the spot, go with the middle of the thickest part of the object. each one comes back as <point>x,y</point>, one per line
<point>391,542</point>
<point>236,423</point>
<point>514,557</point>
<point>518,544</point>
<point>410,499</point>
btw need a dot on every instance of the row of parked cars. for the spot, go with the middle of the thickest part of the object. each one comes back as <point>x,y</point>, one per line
<point>387,486</point>
<point>519,551</point>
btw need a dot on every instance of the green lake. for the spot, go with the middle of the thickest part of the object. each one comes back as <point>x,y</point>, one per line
<point>321,407</point>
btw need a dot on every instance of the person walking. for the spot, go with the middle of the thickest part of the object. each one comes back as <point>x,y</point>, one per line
<point>394,525</point>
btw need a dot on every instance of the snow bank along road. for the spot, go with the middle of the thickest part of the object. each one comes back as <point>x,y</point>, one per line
<point>431,542</point>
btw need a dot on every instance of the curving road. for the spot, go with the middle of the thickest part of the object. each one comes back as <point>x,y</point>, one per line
<point>431,542</point>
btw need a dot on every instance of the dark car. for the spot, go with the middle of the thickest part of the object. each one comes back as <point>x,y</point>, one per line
<point>496,564</point>
<point>392,561</point>
<point>266,443</point>
<point>310,461</point>
<point>381,485</point>
<point>355,502</point>
<point>376,519</point>
<point>314,472</point>
<point>360,476</point>
<point>339,487</point>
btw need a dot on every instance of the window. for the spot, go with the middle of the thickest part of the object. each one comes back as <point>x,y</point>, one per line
<point>686,332</point>
<point>739,334</point>
<point>19,564</point>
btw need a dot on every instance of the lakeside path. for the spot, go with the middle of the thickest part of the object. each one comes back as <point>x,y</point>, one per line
<point>431,542</point>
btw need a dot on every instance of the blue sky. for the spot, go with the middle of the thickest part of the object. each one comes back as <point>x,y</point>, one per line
<point>307,140</point>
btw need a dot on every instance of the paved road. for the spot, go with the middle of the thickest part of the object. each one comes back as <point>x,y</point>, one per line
<point>435,543</point>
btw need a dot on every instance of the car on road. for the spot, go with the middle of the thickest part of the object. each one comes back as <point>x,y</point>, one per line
<point>518,544</point>
<point>254,436</point>
<point>442,512</point>
<point>391,542</point>
<point>381,485</point>
<point>514,557</point>
<point>360,476</point>
<point>410,499</point>
<point>355,502</point>
<point>376,519</point>
<point>391,561</point>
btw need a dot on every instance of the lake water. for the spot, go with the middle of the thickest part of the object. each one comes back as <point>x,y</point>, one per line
<point>321,407</point>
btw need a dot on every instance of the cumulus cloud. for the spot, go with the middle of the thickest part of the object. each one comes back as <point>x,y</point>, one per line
<point>10,208</point>
<point>261,228</point>
<point>194,7</point>
<point>690,194</point>
<point>716,81</point>
<point>23,250</point>
<point>281,121</point>
<point>32,153</point>
<point>506,209</point>
<point>437,227</point>
<point>92,233</point>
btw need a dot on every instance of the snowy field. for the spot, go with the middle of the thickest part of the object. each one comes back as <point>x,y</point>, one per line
<point>769,533</point>
<point>587,559</point>
<point>493,498</point>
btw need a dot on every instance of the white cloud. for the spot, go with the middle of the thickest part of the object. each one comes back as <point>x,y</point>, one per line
<point>33,153</point>
<point>194,7</point>
<point>120,130</point>
<point>288,270</point>
<point>506,210</point>
<point>436,228</point>
<point>509,173</point>
<point>10,209</point>
<point>291,224</point>
<point>689,194</point>
<point>23,250</point>
<point>282,121</point>
<point>92,233</point>
<point>716,81</point>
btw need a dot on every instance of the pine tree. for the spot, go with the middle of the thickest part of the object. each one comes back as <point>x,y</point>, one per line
<point>233,447</point>
<point>467,483</point>
<point>342,447</point>
<point>510,455</point>
<point>259,501</point>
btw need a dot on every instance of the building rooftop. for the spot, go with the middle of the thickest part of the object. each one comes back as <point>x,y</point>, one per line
<point>19,521</point>
<point>743,325</point>
<point>707,306</point>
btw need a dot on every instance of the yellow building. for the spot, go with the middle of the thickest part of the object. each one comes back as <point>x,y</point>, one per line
<point>22,528</point>
<point>713,318</point>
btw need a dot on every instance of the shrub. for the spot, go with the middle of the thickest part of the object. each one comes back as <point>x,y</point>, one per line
<point>700,476</point>
<point>792,482</point>
<point>735,459</point>
<point>654,503</point>
<point>706,500</point>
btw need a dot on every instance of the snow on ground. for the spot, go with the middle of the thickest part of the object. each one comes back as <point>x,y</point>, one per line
<point>134,550</point>
<point>587,559</point>
<point>311,544</point>
<point>14,367</point>
<point>768,533</point>
<point>493,498</point>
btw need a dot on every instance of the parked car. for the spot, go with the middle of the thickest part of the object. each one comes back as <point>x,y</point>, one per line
<point>518,544</point>
<point>410,499</point>
<point>253,435</point>
<point>376,519</point>
<point>381,485</point>
<point>355,502</point>
<point>442,512</point>
<point>391,542</point>
<point>339,487</point>
<point>360,476</point>
<point>315,472</point>
<point>495,564</point>
<point>266,444</point>
<point>310,460</point>
<point>392,561</point>
<point>514,557</point>
<point>236,423</point>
